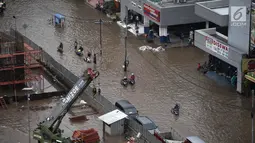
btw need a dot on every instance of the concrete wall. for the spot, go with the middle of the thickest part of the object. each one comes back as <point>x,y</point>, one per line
<point>181,14</point>
<point>239,35</point>
<point>234,55</point>
<point>203,9</point>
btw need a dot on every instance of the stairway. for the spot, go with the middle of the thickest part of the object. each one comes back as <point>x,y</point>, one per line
<point>3,103</point>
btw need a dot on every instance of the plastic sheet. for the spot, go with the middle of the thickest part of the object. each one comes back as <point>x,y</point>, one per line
<point>158,49</point>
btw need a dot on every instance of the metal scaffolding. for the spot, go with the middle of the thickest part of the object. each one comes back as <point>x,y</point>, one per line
<point>19,62</point>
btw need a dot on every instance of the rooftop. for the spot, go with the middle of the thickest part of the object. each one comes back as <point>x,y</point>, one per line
<point>172,3</point>
<point>112,116</point>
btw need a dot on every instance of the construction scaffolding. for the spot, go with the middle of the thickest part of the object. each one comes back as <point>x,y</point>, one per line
<point>19,66</point>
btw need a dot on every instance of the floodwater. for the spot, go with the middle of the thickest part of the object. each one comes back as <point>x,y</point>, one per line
<point>213,112</point>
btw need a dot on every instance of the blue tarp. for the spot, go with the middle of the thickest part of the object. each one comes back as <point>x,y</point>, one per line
<point>59,16</point>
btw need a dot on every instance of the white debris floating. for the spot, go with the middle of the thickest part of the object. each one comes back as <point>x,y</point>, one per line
<point>158,49</point>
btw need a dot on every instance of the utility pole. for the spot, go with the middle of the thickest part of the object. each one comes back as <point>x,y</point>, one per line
<point>126,62</point>
<point>28,90</point>
<point>101,52</point>
<point>16,44</point>
<point>28,117</point>
<point>252,123</point>
<point>15,25</point>
<point>25,27</point>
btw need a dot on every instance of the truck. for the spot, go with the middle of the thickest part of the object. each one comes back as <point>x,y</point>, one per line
<point>48,130</point>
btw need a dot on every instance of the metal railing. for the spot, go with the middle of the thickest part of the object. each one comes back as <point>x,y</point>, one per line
<point>98,101</point>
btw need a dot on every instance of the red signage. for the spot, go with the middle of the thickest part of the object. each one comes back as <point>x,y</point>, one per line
<point>251,65</point>
<point>151,12</point>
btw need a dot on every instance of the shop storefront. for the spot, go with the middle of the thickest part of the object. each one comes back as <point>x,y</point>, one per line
<point>163,14</point>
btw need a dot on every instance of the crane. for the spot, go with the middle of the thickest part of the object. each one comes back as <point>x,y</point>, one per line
<point>48,130</point>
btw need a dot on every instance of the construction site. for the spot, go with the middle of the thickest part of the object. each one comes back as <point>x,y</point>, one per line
<point>20,68</point>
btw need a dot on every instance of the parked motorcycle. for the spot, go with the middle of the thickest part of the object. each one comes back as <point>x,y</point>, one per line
<point>124,82</point>
<point>79,53</point>
<point>60,50</point>
<point>131,82</point>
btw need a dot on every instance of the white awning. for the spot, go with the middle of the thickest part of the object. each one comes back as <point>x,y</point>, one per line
<point>112,117</point>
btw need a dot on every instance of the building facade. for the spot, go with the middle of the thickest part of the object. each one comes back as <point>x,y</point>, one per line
<point>163,14</point>
<point>233,47</point>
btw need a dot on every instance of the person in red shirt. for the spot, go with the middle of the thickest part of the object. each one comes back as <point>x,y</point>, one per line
<point>198,66</point>
<point>132,77</point>
<point>91,73</point>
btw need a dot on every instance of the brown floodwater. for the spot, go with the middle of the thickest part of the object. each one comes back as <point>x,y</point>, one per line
<point>213,112</point>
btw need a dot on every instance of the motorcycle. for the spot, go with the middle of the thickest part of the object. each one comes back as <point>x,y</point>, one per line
<point>60,49</point>
<point>175,110</point>
<point>125,65</point>
<point>131,81</point>
<point>88,60</point>
<point>79,53</point>
<point>124,82</point>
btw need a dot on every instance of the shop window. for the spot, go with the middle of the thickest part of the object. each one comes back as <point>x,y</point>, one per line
<point>222,30</point>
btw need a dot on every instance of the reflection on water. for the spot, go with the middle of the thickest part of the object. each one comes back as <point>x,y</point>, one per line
<point>215,113</point>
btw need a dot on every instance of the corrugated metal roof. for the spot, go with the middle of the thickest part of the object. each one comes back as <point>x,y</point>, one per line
<point>112,117</point>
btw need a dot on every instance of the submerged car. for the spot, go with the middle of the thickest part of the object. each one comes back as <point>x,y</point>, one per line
<point>147,124</point>
<point>126,107</point>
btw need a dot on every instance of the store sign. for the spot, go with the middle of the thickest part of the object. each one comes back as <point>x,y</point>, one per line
<point>217,47</point>
<point>151,12</point>
<point>252,37</point>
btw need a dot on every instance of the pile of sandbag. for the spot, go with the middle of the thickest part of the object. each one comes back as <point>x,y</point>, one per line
<point>86,136</point>
<point>158,49</point>
<point>144,48</point>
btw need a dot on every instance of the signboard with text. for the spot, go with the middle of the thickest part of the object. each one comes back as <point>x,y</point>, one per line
<point>217,47</point>
<point>252,37</point>
<point>151,12</point>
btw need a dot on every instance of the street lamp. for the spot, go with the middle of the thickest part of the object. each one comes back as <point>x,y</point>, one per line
<point>252,114</point>
<point>27,90</point>
<point>126,62</point>
<point>25,27</point>
<point>15,22</point>
<point>15,93</point>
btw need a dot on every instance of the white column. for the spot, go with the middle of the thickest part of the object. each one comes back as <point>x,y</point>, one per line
<point>239,80</point>
<point>162,31</point>
<point>163,34</point>
<point>207,24</point>
<point>146,22</point>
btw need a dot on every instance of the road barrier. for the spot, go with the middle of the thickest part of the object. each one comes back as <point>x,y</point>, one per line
<point>97,101</point>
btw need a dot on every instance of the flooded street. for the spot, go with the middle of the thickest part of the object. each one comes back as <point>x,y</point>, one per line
<point>215,113</point>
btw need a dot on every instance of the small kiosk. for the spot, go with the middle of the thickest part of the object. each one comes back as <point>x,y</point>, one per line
<point>113,122</point>
<point>58,20</point>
